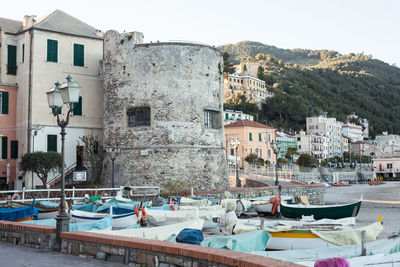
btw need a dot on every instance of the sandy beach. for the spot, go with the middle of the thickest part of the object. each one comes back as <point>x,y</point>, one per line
<point>378,200</point>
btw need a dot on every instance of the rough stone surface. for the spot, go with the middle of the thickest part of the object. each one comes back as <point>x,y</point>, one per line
<point>177,81</point>
<point>101,255</point>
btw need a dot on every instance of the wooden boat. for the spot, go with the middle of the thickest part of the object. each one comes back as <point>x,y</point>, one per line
<point>320,211</point>
<point>263,204</point>
<point>43,212</point>
<point>18,214</point>
<point>118,220</point>
<point>341,184</point>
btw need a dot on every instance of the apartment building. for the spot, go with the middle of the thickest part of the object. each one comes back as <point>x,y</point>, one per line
<point>37,52</point>
<point>231,116</point>
<point>313,144</point>
<point>353,132</point>
<point>254,138</point>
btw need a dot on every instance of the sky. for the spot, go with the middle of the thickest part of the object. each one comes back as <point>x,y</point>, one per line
<point>347,26</point>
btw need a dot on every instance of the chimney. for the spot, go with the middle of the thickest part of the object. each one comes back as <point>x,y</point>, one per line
<point>29,21</point>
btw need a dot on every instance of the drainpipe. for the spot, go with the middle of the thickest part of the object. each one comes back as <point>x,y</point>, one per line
<point>30,91</point>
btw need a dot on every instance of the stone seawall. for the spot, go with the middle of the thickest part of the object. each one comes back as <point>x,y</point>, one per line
<point>314,192</point>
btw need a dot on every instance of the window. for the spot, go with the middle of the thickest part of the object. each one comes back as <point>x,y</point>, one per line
<point>250,136</point>
<point>251,150</point>
<point>96,148</point>
<point>269,153</point>
<point>79,55</point>
<point>14,149</point>
<point>78,108</point>
<point>226,116</point>
<point>259,137</point>
<point>3,102</point>
<point>4,143</point>
<point>138,117</point>
<point>51,142</point>
<point>12,60</point>
<point>52,50</point>
<point>232,152</point>
<point>390,166</point>
<point>23,53</point>
<point>212,119</point>
<point>298,138</point>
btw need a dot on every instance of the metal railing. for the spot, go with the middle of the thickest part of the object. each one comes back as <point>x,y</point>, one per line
<point>27,195</point>
<point>58,173</point>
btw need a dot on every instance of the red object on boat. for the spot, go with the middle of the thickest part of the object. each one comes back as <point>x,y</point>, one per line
<point>341,184</point>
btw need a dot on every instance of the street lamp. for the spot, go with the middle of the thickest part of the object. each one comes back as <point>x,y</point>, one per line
<point>276,147</point>
<point>113,152</point>
<point>235,144</point>
<point>65,93</point>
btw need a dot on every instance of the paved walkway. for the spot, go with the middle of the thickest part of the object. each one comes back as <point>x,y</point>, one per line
<point>16,256</point>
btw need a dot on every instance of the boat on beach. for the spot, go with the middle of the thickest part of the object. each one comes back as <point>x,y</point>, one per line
<point>44,212</point>
<point>297,210</point>
<point>18,214</point>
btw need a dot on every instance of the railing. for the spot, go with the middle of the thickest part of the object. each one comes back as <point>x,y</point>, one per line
<point>27,195</point>
<point>58,174</point>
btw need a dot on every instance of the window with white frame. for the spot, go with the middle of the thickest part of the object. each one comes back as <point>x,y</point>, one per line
<point>212,119</point>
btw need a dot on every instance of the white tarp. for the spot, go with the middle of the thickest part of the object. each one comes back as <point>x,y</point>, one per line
<point>156,233</point>
<point>184,214</point>
<point>184,201</point>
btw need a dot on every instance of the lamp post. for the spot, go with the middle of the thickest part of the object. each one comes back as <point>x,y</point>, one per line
<point>235,144</point>
<point>113,152</point>
<point>65,93</point>
<point>275,146</point>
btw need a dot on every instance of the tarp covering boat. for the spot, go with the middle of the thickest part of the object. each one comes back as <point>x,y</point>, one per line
<point>105,223</point>
<point>18,213</point>
<point>382,246</point>
<point>246,242</point>
<point>48,204</point>
<point>156,233</point>
<point>184,201</point>
<point>184,214</point>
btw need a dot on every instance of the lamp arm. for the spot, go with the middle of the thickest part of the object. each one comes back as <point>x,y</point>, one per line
<point>71,109</point>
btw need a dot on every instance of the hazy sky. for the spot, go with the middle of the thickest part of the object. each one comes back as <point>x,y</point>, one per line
<point>369,26</point>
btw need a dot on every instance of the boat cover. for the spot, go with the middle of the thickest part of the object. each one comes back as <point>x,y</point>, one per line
<point>350,236</point>
<point>17,214</point>
<point>382,246</point>
<point>156,233</point>
<point>184,201</point>
<point>267,198</point>
<point>165,207</point>
<point>105,223</point>
<point>246,242</point>
<point>49,204</point>
<point>205,213</point>
<point>86,207</point>
<point>229,204</point>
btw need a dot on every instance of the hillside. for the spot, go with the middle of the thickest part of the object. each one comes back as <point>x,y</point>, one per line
<point>318,81</point>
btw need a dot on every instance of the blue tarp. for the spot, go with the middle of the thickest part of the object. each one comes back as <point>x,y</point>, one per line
<point>87,207</point>
<point>101,224</point>
<point>17,214</point>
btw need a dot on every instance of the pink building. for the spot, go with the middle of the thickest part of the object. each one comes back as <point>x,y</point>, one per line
<point>8,138</point>
<point>387,167</point>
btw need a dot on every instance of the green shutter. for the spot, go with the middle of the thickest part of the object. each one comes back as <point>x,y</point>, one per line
<point>78,107</point>
<point>51,143</point>
<point>259,137</point>
<point>14,149</point>
<point>250,137</point>
<point>56,110</point>
<point>226,116</point>
<point>52,50</point>
<point>23,53</point>
<point>79,55</point>
<point>12,59</point>
<point>4,144</point>
<point>4,103</point>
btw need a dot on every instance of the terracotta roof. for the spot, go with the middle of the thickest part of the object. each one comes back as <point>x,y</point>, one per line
<point>243,123</point>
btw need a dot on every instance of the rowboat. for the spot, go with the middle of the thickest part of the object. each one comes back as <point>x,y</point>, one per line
<point>44,212</point>
<point>264,205</point>
<point>118,220</point>
<point>18,214</point>
<point>320,211</point>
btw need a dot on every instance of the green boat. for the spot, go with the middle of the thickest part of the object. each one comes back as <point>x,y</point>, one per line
<point>320,211</point>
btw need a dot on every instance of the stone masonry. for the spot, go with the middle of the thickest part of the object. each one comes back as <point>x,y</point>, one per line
<point>178,82</point>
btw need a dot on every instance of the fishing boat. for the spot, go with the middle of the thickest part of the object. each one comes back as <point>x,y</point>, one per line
<point>264,205</point>
<point>339,211</point>
<point>18,214</point>
<point>118,220</point>
<point>102,224</point>
<point>44,212</point>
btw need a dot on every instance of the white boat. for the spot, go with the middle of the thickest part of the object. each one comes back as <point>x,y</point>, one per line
<point>118,220</point>
<point>47,214</point>
<point>263,204</point>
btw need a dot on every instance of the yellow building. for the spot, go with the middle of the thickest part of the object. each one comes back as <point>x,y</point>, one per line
<point>254,138</point>
<point>253,88</point>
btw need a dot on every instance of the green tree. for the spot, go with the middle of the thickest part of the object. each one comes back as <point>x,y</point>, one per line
<point>228,66</point>
<point>41,163</point>
<point>260,73</point>
<point>306,160</point>
<point>290,152</point>
<point>251,158</point>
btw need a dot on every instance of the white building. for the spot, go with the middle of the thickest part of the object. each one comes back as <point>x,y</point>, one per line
<point>352,131</point>
<point>313,144</point>
<point>233,115</point>
<point>47,50</point>
<point>331,129</point>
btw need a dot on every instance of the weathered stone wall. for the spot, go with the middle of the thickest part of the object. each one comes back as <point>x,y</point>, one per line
<point>177,81</point>
<point>315,192</point>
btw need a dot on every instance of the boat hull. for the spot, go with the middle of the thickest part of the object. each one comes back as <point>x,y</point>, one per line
<point>321,212</point>
<point>119,221</point>
<point>296,240</point>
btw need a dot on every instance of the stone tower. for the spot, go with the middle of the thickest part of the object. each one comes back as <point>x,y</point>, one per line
<point>163,106</point>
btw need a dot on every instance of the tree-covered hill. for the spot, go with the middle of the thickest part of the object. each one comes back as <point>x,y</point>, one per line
<point>337,84</point>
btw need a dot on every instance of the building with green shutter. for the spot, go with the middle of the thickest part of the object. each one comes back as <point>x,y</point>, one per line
<point>37,53</point>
